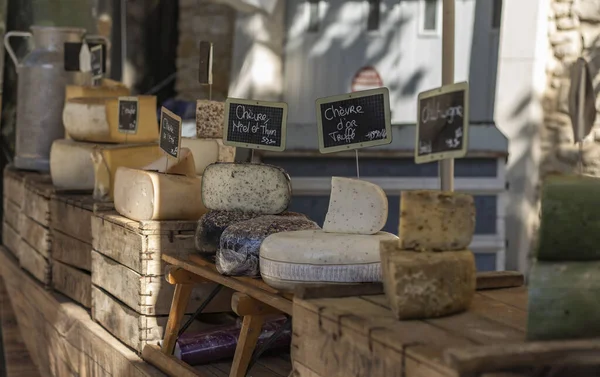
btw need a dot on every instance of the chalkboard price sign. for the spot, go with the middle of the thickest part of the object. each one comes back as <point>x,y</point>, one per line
<point>356,120</point>
<point>128,115</point>
<point>170,133</point>
<point>72,55</point>
<point>96,60</point>
<point>255,124</point>
<point>442,123</point>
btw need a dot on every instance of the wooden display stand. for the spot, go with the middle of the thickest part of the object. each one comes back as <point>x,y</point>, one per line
<point>253,301</point>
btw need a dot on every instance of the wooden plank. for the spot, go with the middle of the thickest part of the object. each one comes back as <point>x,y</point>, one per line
<point>499,312</point>
<point>133,247</point>
<point>14,183</point>
<point>149,227</point>
<point>499,279</point>
<point>36,199</point>
<point>35,263</point>
<point>73,283</point>
<point>12,213</point>
<point>149,295</point>
<point>170,365</point>
<point>515,297</point>
<point>503,357</point>
<point>181,298</point>
<point>11,239</point>
<point>252,287</point>
<point>244,305</point>
<point>72,215</point>
<point>251,328</point>
<point>36,235</point>
<point>18,363</point>
<point>134,329</point>
<point>71,251</point>
<point>62,339</point>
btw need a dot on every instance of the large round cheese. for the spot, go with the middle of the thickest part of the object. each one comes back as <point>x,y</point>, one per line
<point>143,195</point>
<point>290,259</point>
<point>71,166</point>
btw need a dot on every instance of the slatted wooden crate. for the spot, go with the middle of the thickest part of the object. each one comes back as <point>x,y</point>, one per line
<point>130,296</point>
<point>72,282</point>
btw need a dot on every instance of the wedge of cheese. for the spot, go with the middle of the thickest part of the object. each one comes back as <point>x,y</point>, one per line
<point>71,165</point>
<point>108,158</point>
<point>355,207</point>
<point>260,188</point>
<point>143,195</point>
<point>208,151</point>
<point>210,116</point>
<point>292,259</point>
<point>96,120</point>
<point>108,88</point>
<point>436,220</point>
<point>184,166</point>
<point>428,284</point>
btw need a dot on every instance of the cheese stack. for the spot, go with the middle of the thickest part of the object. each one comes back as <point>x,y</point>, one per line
<point>346,251</point>
<point>564,283</point>
<point>429,272</point>
<point>247,203</point>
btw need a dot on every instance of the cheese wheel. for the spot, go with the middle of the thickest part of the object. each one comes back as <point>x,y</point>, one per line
<point>436,220</point>
<point>184,166</point>
<point>208,151</point>
<point>71,166</point>
<point>355,207</point>
<point>210,116</point>
<point>260,188</point>
<point>108,88</point>
<point>143,195</point>
<point>108,158</point>
<point>427,284</point>
<point>96,120</point>
<point>292,259</point>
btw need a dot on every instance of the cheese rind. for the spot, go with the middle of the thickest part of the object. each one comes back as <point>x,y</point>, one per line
<point>107,159</point>
<point>210,116</point>
<point>208,151</point>
<point>143,195</point>
<point>355,207</point>
<point>260,188</point>
<point>71,166</point>
<point>184,166</point>
<point>292,259</point>
<point>95,119</point>
<point>428,284</point>
<point>569,219</point>
<point>436,220</point>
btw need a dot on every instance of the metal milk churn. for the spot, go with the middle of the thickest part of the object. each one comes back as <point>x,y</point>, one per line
<point>42,81</point>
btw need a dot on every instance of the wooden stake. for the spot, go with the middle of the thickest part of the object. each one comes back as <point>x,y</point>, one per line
<point>446,167</point>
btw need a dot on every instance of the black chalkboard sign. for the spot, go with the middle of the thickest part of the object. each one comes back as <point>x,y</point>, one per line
<point>170,133</point>
<point>128,115</point>
<point>71,55</point>
<point>442,123</point>
<point>97,60</point>
<point>255,124</point>
<point>206,61</point>
<point>356,120</point>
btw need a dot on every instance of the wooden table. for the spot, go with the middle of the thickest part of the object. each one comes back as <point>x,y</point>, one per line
<point>336,336</point>
<point>254,301</point>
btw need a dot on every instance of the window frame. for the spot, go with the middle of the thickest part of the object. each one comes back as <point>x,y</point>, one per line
<point>379,6</point>
<point>438,21</point>
<point>313,25</point>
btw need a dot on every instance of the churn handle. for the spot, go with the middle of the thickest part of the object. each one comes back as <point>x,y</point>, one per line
<point>24,34</point>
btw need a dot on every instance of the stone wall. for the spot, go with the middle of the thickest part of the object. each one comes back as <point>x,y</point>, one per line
<point>574,30</point>
<point>204,20</point>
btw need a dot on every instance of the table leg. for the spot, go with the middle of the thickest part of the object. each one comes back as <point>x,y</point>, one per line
<point>180,301</point>
<point>251,328</point>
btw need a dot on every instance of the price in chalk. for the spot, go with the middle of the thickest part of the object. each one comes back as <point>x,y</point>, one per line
<point>128,115</point>
<point>442,123</point>
<point>255,124</point>
<point>97,60</point>
<point>170,133</point>
<point>351,121</point>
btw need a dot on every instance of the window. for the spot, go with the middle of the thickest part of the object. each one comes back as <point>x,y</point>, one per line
<point>313,16</point>
<point>374,14</point>
<point>430,17</point>
<point>496,14</point>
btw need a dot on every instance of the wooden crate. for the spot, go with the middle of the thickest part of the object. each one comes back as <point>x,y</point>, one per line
<point>148,294</point>
<point>35,263</point>
<point>72,215</point>
<point>14,183</point>
<point>11,213</point>
<point>11,239</point>
<point>73,283</point>
<point>132,328</point>
<point>36,235</point>
<point>71,251</point>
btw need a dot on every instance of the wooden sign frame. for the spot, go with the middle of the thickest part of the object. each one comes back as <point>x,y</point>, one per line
<point>363,93</point>
<point>170,114</point>
<point>238,101</point>
<point>460,86</point>
<point>137,115</point>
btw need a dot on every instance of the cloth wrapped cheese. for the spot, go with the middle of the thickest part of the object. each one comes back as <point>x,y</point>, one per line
<point>239,246</point>
<point>212,224</point>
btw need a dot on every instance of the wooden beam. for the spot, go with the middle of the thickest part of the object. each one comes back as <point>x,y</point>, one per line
<point>177,275</point>
<point>170,365</point>
<point>244,305</point>
<point>178,305</point>
<point>499,279</point>
<point>251,328</point>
